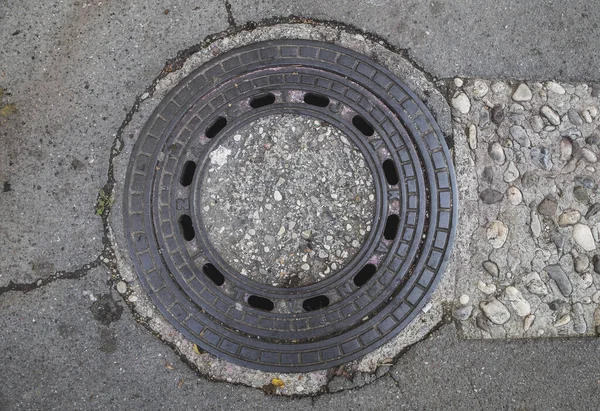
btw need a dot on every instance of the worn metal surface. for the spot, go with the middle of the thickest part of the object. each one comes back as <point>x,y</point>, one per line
<point>341,317</point>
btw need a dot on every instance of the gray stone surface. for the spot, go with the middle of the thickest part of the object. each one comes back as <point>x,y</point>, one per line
<point>489,39</point>
<point>75,345</point>
<point>73,71</point>
<point>446,373</point>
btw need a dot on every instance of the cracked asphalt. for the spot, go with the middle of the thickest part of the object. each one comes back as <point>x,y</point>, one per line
<point>72,73</point>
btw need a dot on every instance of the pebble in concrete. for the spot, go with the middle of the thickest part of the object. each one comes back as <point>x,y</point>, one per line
<point>491,268</point>
<point>462,103</point>
<point>548,206</point>
<point>528,322</point>
<point>579,324</point>
<point>551,115</point>
<point>535,285</point>
<point>495,311</point>
<point>566,149</point>
<point>583,237</point>
<point>520,136</point>
<point>562,281</point>
<point>121,287</point>
<point>563,320</point>
<point>569,217</point>
<point>497,114</point>
<point>522,93</point>
<point>490,196</point>
<point>497,233</point>
<point>472,135</point>
<point>536,225</point>
<point>496,153</point>
<point>514,195</point>
<point>596,264</point>
<point>511,173</point>
<point>581,263</point>
<point>480,89</point>
<point>518,303</point>
<point>555,87</point>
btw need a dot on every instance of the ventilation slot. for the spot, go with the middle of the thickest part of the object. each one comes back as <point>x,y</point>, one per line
<point>316,100</point>
<point>364,275</point>
<point>261,303</point>
<point>187,175</point>
<point>217,126</point>
<point>261,101</point>
<point>316,303</point>
<point>391,227</point>
<point>391,174</point>
<point>363,125</point>
<point>215,275</point>
<point>187,229</point>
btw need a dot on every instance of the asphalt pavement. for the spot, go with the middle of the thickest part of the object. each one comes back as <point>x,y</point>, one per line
<point>70,73</point>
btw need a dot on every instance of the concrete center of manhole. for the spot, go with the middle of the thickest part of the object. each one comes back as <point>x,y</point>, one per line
<point>287,200</point>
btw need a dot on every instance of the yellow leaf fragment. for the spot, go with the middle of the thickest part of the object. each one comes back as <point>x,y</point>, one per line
<point>196,349</point>
<point>278,382</point>
<point>7,110</point>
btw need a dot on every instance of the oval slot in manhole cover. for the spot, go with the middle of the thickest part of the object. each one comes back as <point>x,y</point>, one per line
<point>290,206</point>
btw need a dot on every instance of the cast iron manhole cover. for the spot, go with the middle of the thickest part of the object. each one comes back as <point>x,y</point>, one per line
<point>298,326</point>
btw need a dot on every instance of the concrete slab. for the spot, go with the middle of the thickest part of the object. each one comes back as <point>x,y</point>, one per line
<point>448,373</point>
<point>75,345</point>
<point>490,39</point>
<point>73,76</point>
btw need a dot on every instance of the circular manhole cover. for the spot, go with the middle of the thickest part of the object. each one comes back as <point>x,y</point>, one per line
<point>290,206</point>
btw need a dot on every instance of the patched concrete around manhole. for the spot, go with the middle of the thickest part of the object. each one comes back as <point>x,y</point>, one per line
<point>284,202</point>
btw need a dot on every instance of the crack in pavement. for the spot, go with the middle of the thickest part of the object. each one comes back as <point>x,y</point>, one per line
<point>230,19</point>
<point>58,275</point>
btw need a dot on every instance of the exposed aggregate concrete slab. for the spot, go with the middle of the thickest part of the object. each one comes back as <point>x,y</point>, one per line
<point>532,178</point>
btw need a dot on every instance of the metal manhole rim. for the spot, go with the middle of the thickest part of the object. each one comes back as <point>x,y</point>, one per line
<point>413,248</point>
<point>451,231</point>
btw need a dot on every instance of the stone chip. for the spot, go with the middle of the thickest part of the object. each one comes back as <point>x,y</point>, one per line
<point>462,103</point>
<point>495,311</point>
<point>582,234</point>
<point>522,93</point>
<point>556,273</point>
<point>497,233</point>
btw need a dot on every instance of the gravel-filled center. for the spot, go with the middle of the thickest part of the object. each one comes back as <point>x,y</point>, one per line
<point>287,200</point>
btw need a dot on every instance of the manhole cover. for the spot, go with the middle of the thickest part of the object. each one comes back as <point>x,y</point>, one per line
<point>224,283</point>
